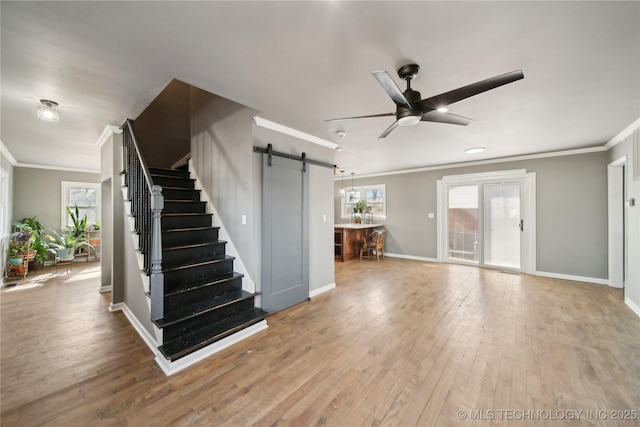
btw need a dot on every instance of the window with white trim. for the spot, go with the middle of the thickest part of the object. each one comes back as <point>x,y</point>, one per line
<point>374,195</point>
<point>4,202</point>
<point>84,194</point>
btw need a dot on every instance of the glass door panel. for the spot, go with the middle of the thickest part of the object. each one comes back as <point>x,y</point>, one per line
<point>501,219</point>
<point>463,223</point>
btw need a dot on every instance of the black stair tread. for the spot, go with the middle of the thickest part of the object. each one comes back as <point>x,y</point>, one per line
<point>173,230</point>
<point>186,214</point>
<point>188,311</point>
<point>165,170</point>
<point>209,281</point>
<point>201,338</point>
<point>193,245</point>
<point>210,260</point>
<point>180,188</point>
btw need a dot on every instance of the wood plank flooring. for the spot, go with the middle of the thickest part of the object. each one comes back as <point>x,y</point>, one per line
<point>397,343</point>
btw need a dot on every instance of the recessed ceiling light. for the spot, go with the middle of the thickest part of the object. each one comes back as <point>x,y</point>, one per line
<point>443,109</point>
<point>474,150</point>
<point>47,111</point>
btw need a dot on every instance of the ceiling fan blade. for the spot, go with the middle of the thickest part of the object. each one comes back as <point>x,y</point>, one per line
<point>388,130</point>
<point>391,88</point>
<point>439,117</point>
<point>362,117</point>
<point>459,94</point>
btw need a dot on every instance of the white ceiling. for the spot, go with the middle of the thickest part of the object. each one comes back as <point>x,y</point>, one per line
<point>303,62</point>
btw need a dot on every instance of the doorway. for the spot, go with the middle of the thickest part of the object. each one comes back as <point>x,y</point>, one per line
<point>617,223</point>
<point>488,220</point>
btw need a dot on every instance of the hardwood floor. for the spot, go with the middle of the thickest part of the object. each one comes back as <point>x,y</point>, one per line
<point>396,343</point>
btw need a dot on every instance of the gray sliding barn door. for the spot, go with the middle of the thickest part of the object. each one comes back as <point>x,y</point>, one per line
<point>285,246</point>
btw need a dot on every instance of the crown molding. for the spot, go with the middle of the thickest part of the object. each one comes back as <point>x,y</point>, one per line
<point>5,151</point>
<point>624,134</point>
<point>264,123</point>
<point>58,168</point>
<point>106,134</point>
<point>489,161</point>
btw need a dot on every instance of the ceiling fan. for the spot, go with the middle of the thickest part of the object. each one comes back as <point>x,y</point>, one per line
<point>410,109</point>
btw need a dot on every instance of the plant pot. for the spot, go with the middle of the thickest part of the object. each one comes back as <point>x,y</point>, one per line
<point>18,271</point>
<point>16,261</point>
<point>66,253</point>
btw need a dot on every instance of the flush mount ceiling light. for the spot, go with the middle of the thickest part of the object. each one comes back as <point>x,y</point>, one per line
<point>474,150</point>
<point>47,111</point>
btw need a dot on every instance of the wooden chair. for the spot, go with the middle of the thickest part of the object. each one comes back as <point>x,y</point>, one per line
<point>372,243</point>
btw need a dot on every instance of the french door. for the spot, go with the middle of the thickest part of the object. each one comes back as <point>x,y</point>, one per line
<point>485,222</point>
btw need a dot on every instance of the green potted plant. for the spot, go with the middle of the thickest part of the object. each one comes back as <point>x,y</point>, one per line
<point>17,254</point>
<point>66,243</point>
<point>79,226</point>
<point>360,206</point>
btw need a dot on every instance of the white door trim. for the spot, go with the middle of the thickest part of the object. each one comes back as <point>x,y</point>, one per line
<point>527,202</point>
<point>616,227</point>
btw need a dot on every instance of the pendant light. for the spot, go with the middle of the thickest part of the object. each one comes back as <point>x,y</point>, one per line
<point>352,193</point>
<point>342,179</point>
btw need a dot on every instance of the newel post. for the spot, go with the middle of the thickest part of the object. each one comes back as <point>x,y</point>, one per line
<point>156,285</point>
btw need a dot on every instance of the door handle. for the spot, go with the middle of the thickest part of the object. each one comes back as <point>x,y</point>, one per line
<point>521,225</point>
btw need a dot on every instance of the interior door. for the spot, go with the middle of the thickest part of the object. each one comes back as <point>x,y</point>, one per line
<point>285,247</point>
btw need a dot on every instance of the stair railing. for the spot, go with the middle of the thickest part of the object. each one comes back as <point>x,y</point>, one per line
<point>147,202</point>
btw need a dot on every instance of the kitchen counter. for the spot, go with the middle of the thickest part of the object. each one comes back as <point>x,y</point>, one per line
<point>347,239</point>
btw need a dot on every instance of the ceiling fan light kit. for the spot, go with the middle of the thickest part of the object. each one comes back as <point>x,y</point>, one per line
<point>410,109</point>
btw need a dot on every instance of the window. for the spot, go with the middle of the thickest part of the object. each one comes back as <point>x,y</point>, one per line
<point>374,195</point>
<point>4,202</point>
<point>84,194</point>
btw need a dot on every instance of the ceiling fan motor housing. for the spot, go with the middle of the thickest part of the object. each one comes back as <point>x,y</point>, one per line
<point>413,96</point>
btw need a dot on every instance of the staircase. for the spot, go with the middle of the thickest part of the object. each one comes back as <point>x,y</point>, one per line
<point>203,297</point>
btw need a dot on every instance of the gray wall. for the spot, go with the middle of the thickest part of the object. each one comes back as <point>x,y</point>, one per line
<point>625,148</point>
<point>571,211</point>
<point>38,192</point>
<point>113,219</point>
<point>222,138</point>
<point>221,150</point>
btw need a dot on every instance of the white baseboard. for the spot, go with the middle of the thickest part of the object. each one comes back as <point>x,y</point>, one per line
<point>415,258</point>
<point>633,306</point>
<point>316,292</point>
<point>142,331</point>
<point>574,278</point>
<point>170,368</point>
<point>116,307</point>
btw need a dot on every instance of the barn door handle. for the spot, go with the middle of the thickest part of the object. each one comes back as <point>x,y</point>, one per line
<point>521,225</point>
